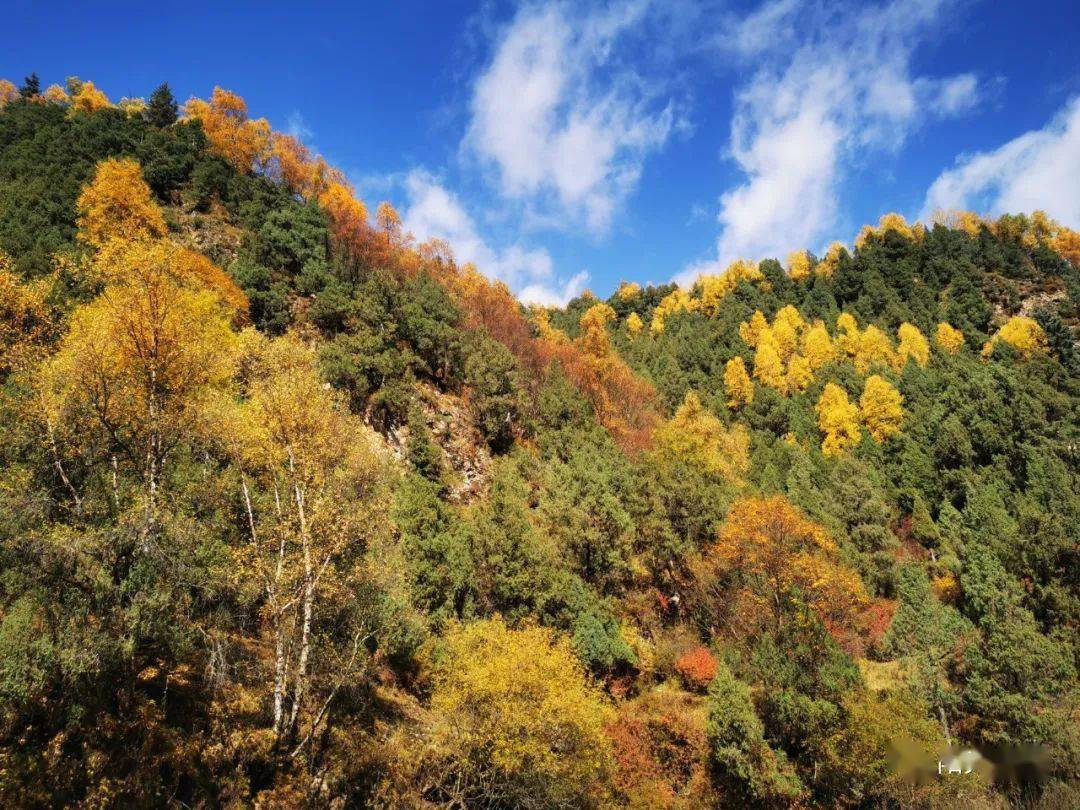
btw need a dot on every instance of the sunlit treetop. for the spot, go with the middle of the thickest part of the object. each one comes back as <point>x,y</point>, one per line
<point>1022,333</point>
<point>799,265</point>
<point>674,302</point>
<point>118,204</point>
<point>8,92</point>
<point>245,143</point>
<point>948,338</point>
<point>890,222</point>
<point>826,268</point>
<point>714,288</point>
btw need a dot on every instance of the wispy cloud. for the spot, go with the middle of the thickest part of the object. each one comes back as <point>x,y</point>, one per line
<point>1036,170</point>
<point>834,84</point>
<point>434,211</point>
<point>562,126</point>
<point>296,126</point>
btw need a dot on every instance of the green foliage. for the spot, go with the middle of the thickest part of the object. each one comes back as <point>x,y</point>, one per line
<point>747,768</point>
<point>138,662</point>
<point>161,109</point>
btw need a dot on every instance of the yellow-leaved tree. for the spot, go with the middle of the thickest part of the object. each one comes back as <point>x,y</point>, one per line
<point>312,488</point>
<point>949,338</point>
<point>117,204</point>
<point>388,219</point>
<point>245,143</point>
<point>737,383</point>
<point>695,436</point>
<point>714,288</point>
<point>752,330</point>
<point>874,349</point>
<point>881,407</point>
<point>136,362</point>
<point>788,562</point>
<point>1022,333</point>
<point>674,302</point>
<point>8,92</point>
<point>799,265</point>
<point>25,320</point>
<point>817,346</point>
<point>513,721</point>
<point>634,324</point>
<point>838,419</point>
<point>88,99</point>
<point>768,367</point>
<point>912,346</point>
<point>799,375</point>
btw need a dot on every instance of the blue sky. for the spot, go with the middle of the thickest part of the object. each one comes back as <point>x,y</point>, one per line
<point>564,145</point>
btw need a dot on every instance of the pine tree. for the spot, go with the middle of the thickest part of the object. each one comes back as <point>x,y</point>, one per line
<point>31,87</point>
<point>161,111</point>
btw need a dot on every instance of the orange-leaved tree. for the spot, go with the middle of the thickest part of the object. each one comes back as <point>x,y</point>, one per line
<point>788,562</point>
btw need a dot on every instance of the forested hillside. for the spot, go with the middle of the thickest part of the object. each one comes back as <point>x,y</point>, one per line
<point>295,511</point>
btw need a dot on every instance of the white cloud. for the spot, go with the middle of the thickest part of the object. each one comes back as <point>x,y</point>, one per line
<point>433,211</point>
<point>564,128</point>
<point>952,96</point>
<point>296,126</point>
<point>761,30</point>
<point>813,108</point>
<point>1036,170</point>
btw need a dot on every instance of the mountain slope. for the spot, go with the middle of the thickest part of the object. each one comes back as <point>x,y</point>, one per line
<point>295,511</point>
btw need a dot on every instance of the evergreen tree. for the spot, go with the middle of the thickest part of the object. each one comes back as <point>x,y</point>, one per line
<point>161,110</point>
<point>31,87</point>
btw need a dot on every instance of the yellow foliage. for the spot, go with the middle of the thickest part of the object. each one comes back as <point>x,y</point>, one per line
<point>786,326</point>
<point>634,324</point>
<point>117,204</point>
<point>24,319</point>
<point>514,720</point>
<point>139,358</point>
<point>695,436</point>
<point>715,288</point>
<point>243,142</point>
<point>881,407</point>
<point>594,336</point>
<point>945,587</point>
<point>628,290</point>
<point>798,265</point>
<point>387,218</point>
<point>913,345</point>
<point>132,106</point>
<point>768,367</point>
<point>826,268</point>
<point>1023,334</point>
<point>544,329</point>
<point>838,419</point>
<point>817,346</point>
<point>787,553</point>
<point>847,341</point>
<point>89,99</point>
<point>799,375</point>
<point>737,383</point>
<point>1066,242</point>
<point>874,348</point>
<point>677,301</point>
<point>8,93</point>
<point>888,222</point>
<point>948,338</point>
<point>752,330</point>
<point>967,221</point>
<point>56,94</point>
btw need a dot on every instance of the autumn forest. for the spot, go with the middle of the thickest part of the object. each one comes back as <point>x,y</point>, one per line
<point>299,511</point>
